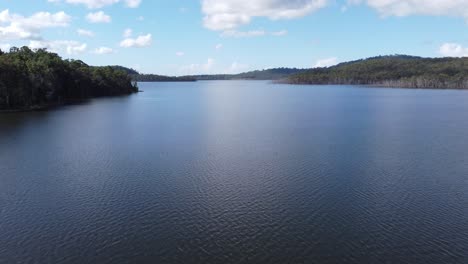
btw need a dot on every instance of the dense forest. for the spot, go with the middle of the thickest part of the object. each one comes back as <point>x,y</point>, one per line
<point>392,71</point>
<point>31,79</point>
<point>270,74</point>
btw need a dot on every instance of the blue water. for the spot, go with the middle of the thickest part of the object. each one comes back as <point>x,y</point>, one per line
<point>238,172</point>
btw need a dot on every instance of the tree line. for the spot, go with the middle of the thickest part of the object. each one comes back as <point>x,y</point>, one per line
<point>36,78</point>
<point>268,74</point>
<point>392,71</point>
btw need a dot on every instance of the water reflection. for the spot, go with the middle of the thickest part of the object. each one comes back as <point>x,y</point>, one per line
<point>234,172</point>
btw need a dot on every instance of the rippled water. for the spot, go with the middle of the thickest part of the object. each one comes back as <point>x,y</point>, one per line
<point>238,172</point>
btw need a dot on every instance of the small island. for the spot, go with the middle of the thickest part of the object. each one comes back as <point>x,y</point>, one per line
<point>400,71</point>
<point>37,79</point>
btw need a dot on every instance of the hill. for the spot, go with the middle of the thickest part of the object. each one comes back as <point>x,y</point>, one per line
<point>392,71</point>
<point>270,74</point>
<point>160,78</point>
<point>138,77</point>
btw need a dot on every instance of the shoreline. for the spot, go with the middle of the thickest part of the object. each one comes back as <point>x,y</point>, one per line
<point>376,86</point>
<point>46,107</point>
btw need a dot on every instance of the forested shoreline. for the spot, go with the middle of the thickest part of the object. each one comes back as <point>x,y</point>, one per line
<point>160,78</point>
<point>140,77</point>
<point>268,74</point>
<point>391,71</point>
<point>33,79</point>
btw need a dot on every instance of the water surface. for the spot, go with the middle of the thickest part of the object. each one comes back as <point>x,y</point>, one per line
<point>238,172</point>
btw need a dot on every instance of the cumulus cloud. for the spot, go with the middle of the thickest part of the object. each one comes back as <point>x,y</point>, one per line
<point>417,7</point>
<point>224,15</point>
<point>15,26</point>
<point>453,50</point>
<point>133,3</point>
<point>243,34</point>
<point>85,33</point>
<point>139,42</point>
<point>237,68</point>
<point>204,68</point>
<point>218,46</point>
<point>252,33</point>
<point>68,46</point>
<point>103,50</point>
<point>279,33</point>
<point>98,17</point>
<point>180,53</point>
<point>326,62</point>
<point>5,47</point>
<point>128,33</point>
<point>94,4</point>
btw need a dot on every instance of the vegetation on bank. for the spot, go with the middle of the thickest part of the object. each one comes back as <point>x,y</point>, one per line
<point>392,71</point>
<point>37,78</point>
<point>160,78</point>
<point>32,79</point>
<point>270,74</point>
<point>139,77</point>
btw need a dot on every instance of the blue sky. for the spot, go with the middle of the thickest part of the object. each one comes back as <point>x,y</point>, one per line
<point>181,37</point>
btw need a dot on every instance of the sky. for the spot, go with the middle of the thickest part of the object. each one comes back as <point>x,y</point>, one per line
<point>184,37</point>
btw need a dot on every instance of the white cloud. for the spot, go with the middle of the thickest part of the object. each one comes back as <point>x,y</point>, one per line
<point>211,67</point>
<point>128,33</point>
<point>94,4</point>
<point>103,50</point>
<point>98,17</point>
<point>85,33</point>
<point>180,54</point>
<point>14,26</point>
<point>418,7</point>
<point>453,50</point>
<point>91,4</point>
<point>59,46</point>
<point>279,33</point>
<point>243,34</point>
<point>237,68</point>
<point>204,68</point>
<point>252,33</point>
<point>218,46</point>
<point>229,14</point>
<point>139,42</point>
<point>326,62</point>
<point>133,3</point>
<point>5,47</point>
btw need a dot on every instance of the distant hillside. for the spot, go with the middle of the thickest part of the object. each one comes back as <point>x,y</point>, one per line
<point>392,71</point>
<point>138,77</point>
<point>160,78</point>
<point>270,74</point>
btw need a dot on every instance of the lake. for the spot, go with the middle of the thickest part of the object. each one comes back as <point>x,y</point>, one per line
<point>238,172</point>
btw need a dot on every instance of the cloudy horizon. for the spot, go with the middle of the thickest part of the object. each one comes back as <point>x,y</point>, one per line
<point>232,36</point>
